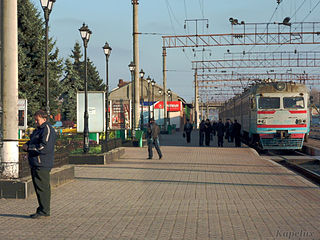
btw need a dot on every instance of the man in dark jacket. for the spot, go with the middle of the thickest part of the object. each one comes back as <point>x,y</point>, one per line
<point>201,132</point>
<point>153,132</point>
<point>207,131</point>
<point>188,129</point>
<point>40,150</point>
<point>237,133</point>
<point>226,129</point>
<point>220,129</point>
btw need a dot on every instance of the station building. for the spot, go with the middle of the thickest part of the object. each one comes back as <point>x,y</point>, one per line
<point>151,103</point>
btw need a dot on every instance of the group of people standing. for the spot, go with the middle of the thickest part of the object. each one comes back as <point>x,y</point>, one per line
<point>231,131</point>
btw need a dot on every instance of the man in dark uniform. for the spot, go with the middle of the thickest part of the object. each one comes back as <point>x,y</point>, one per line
<point>201,132</point>
<point>237,133</point>
<point>207,132</point>
<point>40,150</point>
<point>188,129</point>
<point>220,128</point>
<point>153,132</point>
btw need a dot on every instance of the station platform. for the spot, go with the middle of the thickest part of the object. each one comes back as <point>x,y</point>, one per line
<point>312,147</point>
<point>192,193</point>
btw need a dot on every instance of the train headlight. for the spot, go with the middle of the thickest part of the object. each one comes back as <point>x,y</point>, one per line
<point>261,121</point>
<point>280,86</point>
<point>300,121</point>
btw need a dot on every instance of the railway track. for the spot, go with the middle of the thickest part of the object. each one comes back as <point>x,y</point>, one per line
<point>307,166</point>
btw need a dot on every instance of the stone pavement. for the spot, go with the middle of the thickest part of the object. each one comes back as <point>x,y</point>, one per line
<point>192,193</point>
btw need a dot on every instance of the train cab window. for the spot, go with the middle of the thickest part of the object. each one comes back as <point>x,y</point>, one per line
<point>293,102</point>
<point>269,102</point>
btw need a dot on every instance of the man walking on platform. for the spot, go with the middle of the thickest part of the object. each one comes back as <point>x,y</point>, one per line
<point>40,150</point>
<point>201,132</point>
<point>220,132</point>
<point>153,132</point>
<point>237,133</point>
<point>188,129</point>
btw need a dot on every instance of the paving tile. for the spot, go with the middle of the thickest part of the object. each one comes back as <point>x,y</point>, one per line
<point>192,193</point>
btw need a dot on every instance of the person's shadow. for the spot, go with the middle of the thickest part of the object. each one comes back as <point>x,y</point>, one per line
<point>14,215</point>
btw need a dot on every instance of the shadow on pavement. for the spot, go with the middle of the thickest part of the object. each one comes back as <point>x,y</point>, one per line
<point>196,182</point>
<point>14,215</point>
<point>157,162</point>
<point>197,170</point>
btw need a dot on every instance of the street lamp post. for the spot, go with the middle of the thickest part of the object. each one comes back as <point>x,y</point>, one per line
<point>47,8</point>
<point>153,82</point>
<point>141,97</point>
<point>169,95</point>
<point>132,68</point>
<point>107,51</point>
<point>85,35</point>
<point>149,81</point>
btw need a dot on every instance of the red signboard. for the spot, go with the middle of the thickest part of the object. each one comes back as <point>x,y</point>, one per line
<point>172,106</point>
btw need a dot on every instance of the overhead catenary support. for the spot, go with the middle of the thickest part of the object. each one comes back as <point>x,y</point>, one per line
<point>196,100</point>
<point>136,99</point>
<point>164,69</point>
<point>247,78</point>
<point>9,90</point>
<point>257,34</point>
<point>260,60</point>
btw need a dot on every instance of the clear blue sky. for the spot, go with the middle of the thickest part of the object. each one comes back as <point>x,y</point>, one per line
<point>112,21</point>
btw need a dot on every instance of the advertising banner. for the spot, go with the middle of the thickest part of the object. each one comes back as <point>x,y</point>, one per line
<point>96,111</point>
<point>22,113</point>
<point>120,114</point>
<point>172,106</point>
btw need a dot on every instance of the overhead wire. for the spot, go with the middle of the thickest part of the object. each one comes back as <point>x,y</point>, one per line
<point>311,11</point>
<point>292,16</point>
<point>172,16</point>
<point>274,12</point>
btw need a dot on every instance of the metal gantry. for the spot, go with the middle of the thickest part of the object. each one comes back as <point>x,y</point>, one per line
<point>251,34</point>
<point>260,60</point>
<point>256,77</point>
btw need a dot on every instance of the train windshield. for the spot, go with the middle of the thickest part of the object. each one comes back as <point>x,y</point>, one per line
<point>269,102</point>
<point>293,102</point>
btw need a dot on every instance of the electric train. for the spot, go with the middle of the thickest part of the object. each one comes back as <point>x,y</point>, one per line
<point>273,115</point>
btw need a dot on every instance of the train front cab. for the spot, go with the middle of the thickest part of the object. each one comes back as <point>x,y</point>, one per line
<point>282,120</point>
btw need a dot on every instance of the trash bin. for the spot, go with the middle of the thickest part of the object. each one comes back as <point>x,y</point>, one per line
<point>169,129</point>
<point>117,133</point>
<point>138,136</point>
<point>122,134</point>
<point>94,137</point>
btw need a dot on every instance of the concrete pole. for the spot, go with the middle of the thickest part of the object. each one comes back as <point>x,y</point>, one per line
<point>196,100</point>
<point>165,110</point>
<point>136,62</point>
<point>9,82</point>
<point>207,108</point>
